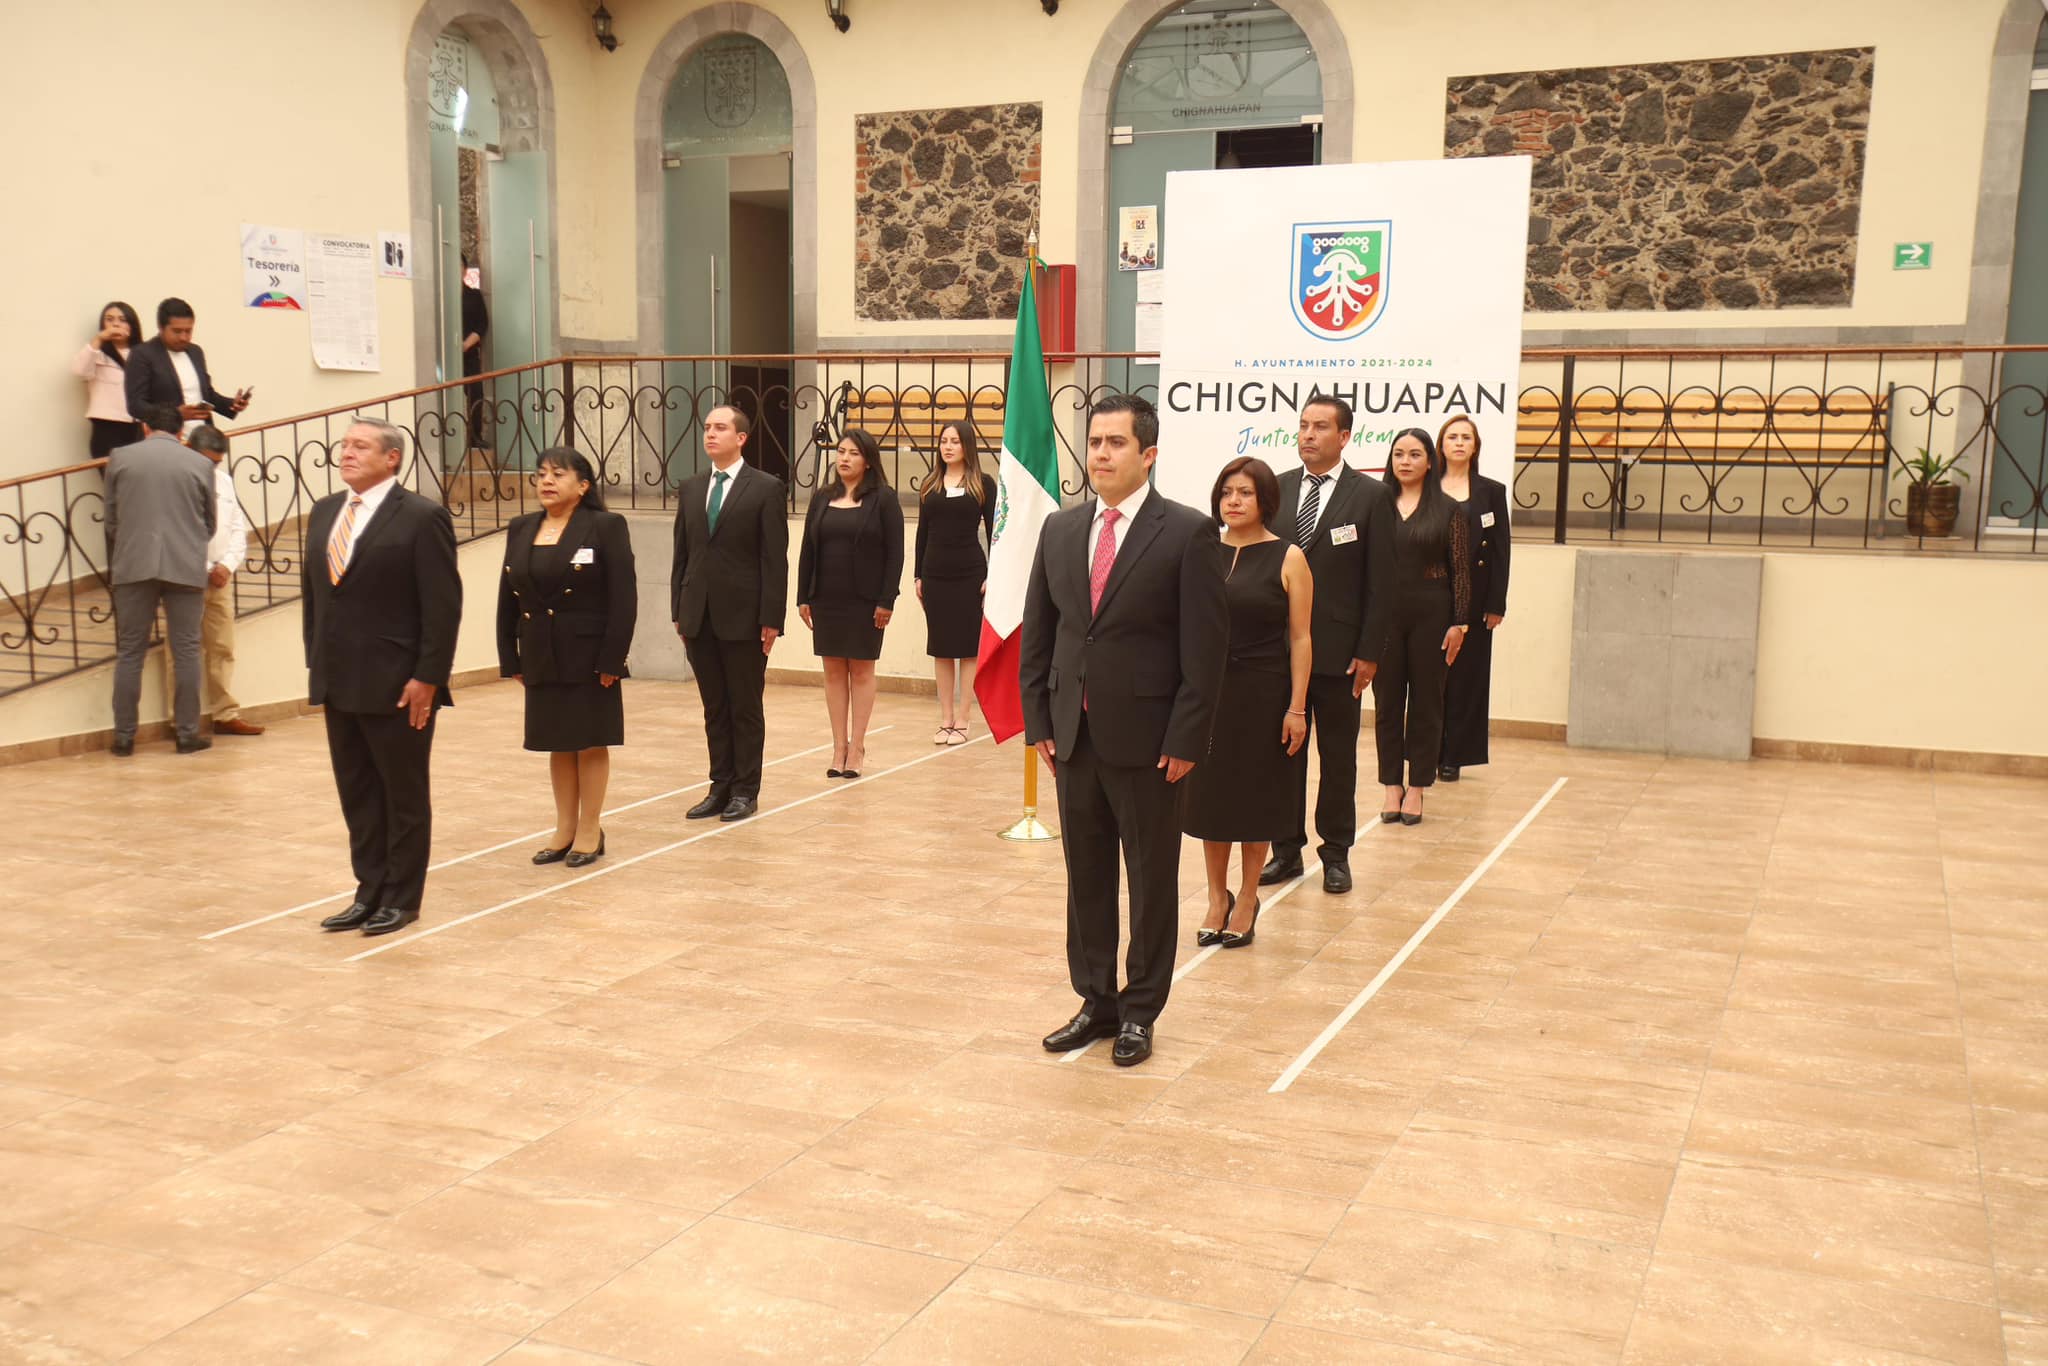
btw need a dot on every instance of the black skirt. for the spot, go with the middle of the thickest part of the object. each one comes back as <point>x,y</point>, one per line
<point>1244,793</point>
<point>563,717</point>
<point>952,618</point>
<point>844,628</point>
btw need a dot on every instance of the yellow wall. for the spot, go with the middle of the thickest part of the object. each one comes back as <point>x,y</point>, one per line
<point>270,663</point>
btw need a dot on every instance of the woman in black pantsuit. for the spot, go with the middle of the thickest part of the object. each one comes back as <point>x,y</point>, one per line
<point>956,515</point>
<point>566,605</point>
<point>1432,602</point>
<point>1242,793</point>
<point>1484,502</point>
<point>847,574</point>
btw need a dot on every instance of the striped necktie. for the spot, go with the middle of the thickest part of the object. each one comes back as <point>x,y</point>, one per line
<point>1311,508</point>
<point>338,543</point>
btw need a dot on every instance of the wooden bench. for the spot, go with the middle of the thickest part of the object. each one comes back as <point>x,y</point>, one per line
<point>906,424</point>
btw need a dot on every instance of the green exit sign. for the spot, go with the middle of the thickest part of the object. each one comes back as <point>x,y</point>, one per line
<point>1912,255</point>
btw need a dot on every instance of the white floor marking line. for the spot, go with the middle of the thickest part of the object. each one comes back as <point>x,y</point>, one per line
<point>1264,905</point>
<point>517,839</point>
<point>623,864</point>
<point>1336,1026</point>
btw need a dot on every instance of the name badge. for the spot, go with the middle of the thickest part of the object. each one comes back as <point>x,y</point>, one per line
<point>1344,535</point>
<point>956,492</point>
<point>585,555</point>
<point>1486,519</point>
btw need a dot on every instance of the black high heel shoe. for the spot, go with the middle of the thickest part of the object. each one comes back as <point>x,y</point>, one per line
<point>1205,936</point>
<point>551,855</point>
<point>1407,819</point>
<point>576,860</point>
<point>1233,940</point>
<point>835,771</point>
<point>1394,816</point>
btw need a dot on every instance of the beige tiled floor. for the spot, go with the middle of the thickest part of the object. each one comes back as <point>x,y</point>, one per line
<point>1718,1062</point>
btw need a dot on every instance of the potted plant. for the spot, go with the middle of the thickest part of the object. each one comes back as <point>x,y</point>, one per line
<point>1932,496</point>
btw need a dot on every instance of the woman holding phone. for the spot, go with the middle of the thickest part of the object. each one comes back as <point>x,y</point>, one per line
<point>103,365</point>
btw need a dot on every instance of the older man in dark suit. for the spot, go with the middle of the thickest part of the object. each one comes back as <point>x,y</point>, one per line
<point>1125,633</point>
<point>728,593</point>
<point>381,603</point>
<point>1344,524</point>
<point>170,369</point>
<point>160,516</point>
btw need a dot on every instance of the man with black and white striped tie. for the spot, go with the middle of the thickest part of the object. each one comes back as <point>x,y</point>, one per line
<point>1344,523</point>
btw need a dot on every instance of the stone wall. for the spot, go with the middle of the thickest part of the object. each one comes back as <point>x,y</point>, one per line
<point>944,199</point>
<point>1734,183</point>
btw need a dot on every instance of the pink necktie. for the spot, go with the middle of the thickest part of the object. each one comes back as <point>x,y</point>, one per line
<point>1105,558</point>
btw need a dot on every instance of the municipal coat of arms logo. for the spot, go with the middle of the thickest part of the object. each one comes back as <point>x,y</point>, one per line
<point>1338,283</point>
<point>729,87</point>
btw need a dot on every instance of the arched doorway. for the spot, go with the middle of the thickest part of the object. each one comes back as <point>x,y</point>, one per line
<point>481,114</point>
<point>727,143</point>
<point>1195,85</point>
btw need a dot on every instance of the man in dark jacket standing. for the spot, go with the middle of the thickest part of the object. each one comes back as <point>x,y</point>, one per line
<point>170,369</point>
<point>1125,632</point>
<point>382,601</point>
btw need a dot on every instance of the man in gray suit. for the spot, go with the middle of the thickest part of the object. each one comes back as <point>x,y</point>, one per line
<point>160,516</point>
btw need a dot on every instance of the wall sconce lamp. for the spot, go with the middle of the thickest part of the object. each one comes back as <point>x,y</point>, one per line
<point>601,25</point>
<point>1051,7</point>
<point>837,10</point>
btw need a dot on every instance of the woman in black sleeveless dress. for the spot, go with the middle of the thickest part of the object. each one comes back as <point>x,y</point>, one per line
<point>847,574</point>
<point>956,515</point>
<point>1242,793</point>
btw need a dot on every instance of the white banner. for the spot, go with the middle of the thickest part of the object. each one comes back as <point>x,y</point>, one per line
<point>1396,287</point>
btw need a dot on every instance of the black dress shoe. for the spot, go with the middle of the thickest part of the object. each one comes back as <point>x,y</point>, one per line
<point>1407,819</point>
<point>387,919</point>
<point>1449,773</point>
<point>1336,878</point>
<point>124,749</point>
<point>551,855</point>
<point>1280,868</point>
<point>738,809</point>
<point>1085,1028</point>
<point>350,919</point>
<point>582,860</point>
<point>713,804</point>
<point>1233,940</point>
<point>1133,1045</point>
<point>1205,936</point>
<point>195,744</point>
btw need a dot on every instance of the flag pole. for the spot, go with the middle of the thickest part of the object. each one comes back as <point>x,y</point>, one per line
<point>1028,828</point>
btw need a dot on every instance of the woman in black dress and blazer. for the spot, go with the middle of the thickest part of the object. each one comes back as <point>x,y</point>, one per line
<point>1432,604</point>
<point>566,606</point>
<point>1468,691</point>
<point>847,575</point>
<point>956,516</point>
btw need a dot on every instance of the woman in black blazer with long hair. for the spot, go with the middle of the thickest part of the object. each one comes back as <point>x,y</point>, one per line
<point>1432,602</point>
<point>847,574</point>
<point>566,605</point>
<point>956,515</point>
<point>1468,691</point>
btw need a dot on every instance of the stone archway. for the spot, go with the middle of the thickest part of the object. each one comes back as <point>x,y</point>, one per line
<point>1098,93</point>
<point>668,57</point>
<point>526,102</point>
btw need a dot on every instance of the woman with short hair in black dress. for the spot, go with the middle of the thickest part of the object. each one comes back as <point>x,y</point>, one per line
<point>1432,603</point>
<point>1484,503</point>
<point>956,515</point>
<point>566,606</point>
<point>847,574</point>
<point>1241,794</point>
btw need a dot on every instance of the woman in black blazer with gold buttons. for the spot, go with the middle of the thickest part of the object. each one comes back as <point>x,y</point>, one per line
<point>847,574</point>
<point>566,606</point>
<point>1468,692</point>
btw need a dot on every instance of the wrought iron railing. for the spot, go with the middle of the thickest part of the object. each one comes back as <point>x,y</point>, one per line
<point>1772,448</point>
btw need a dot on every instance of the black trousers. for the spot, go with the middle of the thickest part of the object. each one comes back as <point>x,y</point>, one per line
<point>1333,715</point>
<point>1109,811</point>
<point>109,436</point>
<point>731,675</point>
<point>1468,700</point>
<point>380,770</point>
<point>1408,690</point>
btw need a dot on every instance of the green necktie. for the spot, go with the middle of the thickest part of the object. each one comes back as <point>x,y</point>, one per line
<point>717,498</point>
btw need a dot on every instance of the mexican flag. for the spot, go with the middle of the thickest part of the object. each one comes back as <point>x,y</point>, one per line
<point>1028,492</point>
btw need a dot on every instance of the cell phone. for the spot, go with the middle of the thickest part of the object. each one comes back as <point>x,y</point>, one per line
<point>243,394</point>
